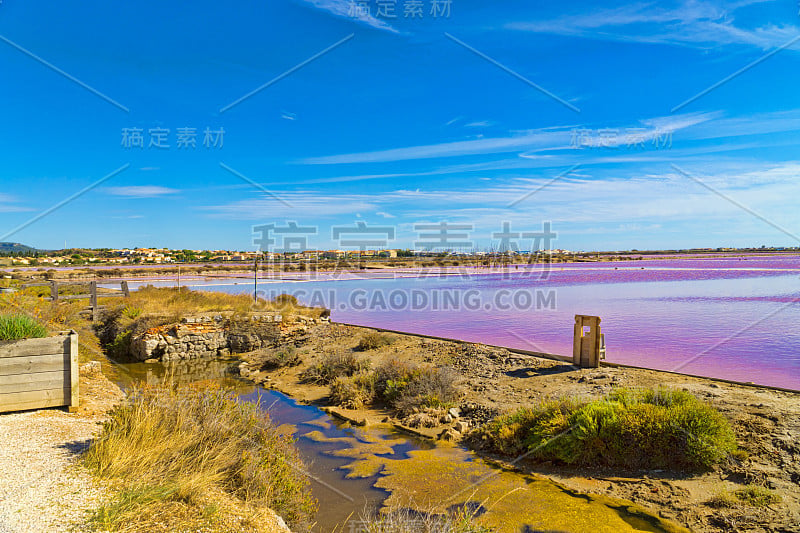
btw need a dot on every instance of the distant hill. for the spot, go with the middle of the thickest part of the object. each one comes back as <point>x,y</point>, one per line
<point>15,247</point>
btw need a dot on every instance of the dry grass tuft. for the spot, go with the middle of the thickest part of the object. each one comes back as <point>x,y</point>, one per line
<point>335,365</point>
<point>460,520</point>
<point>373,340</point>
<point>173,451</point>
<point>752,495</point>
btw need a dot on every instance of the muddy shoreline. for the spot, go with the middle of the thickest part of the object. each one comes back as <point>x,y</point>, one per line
<point>495,380</point>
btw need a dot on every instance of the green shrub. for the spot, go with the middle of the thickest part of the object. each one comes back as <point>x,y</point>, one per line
<point>120,347</point>
<point>640,429</point>
<point>332,366</point>
<point>185,445</point>
<point>373,340</point>
<point>131,312</point>
<point>14,327</point>
<point>353,392</point>
<point>392,375</point>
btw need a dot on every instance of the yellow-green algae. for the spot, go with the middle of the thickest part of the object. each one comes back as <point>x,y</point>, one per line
<point>367,443</point>
<point>323,422</point>
<point>449,477</point>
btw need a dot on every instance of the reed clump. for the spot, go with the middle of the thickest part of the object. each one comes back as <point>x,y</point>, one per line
<point>174,453</point>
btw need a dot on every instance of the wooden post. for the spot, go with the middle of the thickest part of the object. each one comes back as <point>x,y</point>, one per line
<point>74,371</point>
<point>94,300</point>
<point>54,291</point>
<point>587,347</point>
<point>125,290</point>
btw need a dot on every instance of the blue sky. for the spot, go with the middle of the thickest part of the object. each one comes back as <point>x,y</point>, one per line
<point>586,115</point>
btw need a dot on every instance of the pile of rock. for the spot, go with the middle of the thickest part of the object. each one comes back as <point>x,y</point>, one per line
<point>214,336</point>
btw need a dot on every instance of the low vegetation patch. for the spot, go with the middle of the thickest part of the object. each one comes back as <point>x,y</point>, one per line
<point>335,365</point>
<point>353,392</point>
<point>281,358</point>
<point>399,384</point>
<point>647,428</point>
<point>172,452</point>
<point>60,316</point>
<point>373,340</point>
<point>407,521</point>
<point>15,327</point>
<point>753,495</point>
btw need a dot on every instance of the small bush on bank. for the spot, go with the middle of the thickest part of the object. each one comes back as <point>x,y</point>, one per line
<point>757,496</point>
<point>659,428</point>
<point>169,449</point>
<point>332,366</point>
<point>15,327</point>
<point>400,384</point>
<point>373,340</point>
<point>390,373</point>
<point>753,495</point>
<point>426,387</point>
<point>281,358</point>
<point>353,392</point>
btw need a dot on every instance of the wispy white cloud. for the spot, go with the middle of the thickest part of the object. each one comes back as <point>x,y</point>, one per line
<point>531,141</point>
<point>692,23</point>
<point>10,204</point>
<point>345,9</point>
<point>591,197</point>
<point>479,124</point>
<point>288,116</point>
<point>384,214</point>
<point>141,191</point>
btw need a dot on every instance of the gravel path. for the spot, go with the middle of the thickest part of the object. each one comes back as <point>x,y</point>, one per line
<point>41,487</point>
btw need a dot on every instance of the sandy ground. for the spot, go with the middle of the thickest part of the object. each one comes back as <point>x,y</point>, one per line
<point>41,487</point>
<point>766,422</point>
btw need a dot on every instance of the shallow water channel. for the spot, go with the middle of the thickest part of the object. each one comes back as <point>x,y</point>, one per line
<point>356,471</point>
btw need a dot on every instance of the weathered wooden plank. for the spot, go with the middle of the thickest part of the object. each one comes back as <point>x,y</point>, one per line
<point>36,404</point>
<point>36,377</point>
<point>31,364</point>
<point>74,370</point>
<point>52,383</point>
<point>26,347</point>
<point>61,395</point>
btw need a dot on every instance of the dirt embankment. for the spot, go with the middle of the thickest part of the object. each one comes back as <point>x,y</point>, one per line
<point>766,422</point>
